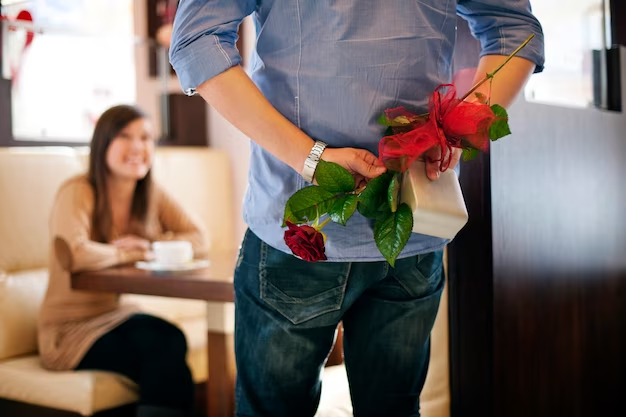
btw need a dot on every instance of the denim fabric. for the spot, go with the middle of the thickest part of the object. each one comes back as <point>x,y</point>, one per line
<point>286,313</point>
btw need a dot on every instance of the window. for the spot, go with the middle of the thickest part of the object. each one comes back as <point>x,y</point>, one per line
<point>574,74</point>
<point>67,61</point>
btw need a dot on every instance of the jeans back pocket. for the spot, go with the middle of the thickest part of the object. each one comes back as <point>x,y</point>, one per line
<point>301,290</point>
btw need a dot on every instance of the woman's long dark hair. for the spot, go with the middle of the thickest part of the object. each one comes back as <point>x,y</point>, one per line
<point>108,126</point>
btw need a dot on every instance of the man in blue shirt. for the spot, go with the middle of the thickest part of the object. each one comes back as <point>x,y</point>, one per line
<point>324,71</point>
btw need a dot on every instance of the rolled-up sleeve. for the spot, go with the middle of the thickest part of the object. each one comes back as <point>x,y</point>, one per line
<point>503,25</point>
<point>204,39</point>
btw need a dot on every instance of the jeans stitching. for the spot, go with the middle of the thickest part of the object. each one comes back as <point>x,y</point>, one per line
<point>335,293</point>
<point>428,278</point>
<point>261,267</point>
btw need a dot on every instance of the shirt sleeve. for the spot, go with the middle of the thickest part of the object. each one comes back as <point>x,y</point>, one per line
<point>503,25</point>
<point>204,38</point>
<point>70,226</point>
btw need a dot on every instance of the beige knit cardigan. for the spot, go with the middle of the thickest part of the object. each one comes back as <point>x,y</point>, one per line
<point>70,321</point>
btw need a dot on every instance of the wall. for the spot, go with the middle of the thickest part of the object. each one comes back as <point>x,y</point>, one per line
<point>559,264</point>
<point>538,276</point>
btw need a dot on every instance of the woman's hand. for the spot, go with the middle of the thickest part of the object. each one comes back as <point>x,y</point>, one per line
<point>135,244</point>
<point>362,164</point>
<point>132,242</point>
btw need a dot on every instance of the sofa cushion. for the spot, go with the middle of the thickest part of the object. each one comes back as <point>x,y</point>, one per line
<point>21,294</point>
<point>435,397</point>
<point>29,179</point>
<point>200,179</point>
<point>86,392</point>
<point>83,392</point>
<point>335,398</point>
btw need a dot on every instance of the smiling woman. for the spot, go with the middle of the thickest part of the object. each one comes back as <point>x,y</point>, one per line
<point>122,150</point>
<point>105,218</point>
<point>130,154</point>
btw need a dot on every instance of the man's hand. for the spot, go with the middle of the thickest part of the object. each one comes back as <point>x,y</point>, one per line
<point>362,164</point>
<point>434,155</point>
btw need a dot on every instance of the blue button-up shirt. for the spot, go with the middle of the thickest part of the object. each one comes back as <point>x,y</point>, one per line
<point>331,67</point>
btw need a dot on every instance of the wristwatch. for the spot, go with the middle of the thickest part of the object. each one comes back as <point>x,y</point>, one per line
<point>308,171</point>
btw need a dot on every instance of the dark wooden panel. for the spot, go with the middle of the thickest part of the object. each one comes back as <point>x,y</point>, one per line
<point>470,297</point>
<point>538,276</point>
<point>187,118</point>
<point>618,21</point>
<point>559,240</point>
<point>6,131</point>
<point>470,273</point>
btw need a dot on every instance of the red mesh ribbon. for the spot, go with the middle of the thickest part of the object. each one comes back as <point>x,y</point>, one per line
<point>451,123</point>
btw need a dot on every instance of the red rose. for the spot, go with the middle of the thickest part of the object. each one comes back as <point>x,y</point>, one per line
<point>305,242</point>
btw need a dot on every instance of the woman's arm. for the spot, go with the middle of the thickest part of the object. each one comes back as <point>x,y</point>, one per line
<point>178,224</point>
<point>70,230</point>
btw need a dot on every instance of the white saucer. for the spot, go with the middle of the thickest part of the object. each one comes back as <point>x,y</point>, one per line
<point>187,266</point>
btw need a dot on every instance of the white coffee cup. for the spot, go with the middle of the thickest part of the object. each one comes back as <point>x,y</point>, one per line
<point>172,252</point>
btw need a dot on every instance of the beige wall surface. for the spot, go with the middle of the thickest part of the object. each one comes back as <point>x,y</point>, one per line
<point>222,135</point>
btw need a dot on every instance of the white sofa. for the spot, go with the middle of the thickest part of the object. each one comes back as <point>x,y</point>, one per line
<point>198,177</point>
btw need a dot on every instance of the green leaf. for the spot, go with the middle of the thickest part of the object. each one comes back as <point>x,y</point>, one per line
<point>288,216</point>
<point>383,208</point>
<point>333,177</point>
<point>382,120</point>
<point>374,195</point>
<point>392,232</point>
<point>343,208</point>
<point>393,192</point>
<point>500,127</point>
<point>470,153</point>
<point>306,204</point>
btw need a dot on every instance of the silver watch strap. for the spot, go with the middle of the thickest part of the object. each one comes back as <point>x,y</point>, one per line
<point>308,171</point>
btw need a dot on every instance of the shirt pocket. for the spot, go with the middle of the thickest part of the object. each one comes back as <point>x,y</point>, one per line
<point>300,290</point>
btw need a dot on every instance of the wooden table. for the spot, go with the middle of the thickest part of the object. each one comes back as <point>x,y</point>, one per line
<point>213,284</point>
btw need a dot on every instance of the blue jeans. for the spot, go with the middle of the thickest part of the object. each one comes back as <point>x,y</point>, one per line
<point>286,313</point>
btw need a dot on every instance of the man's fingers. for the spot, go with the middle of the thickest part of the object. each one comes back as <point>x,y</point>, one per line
<point>432,157</point>
<point>456,157</point>
<point>361,163</point>
<point>432,170</point>
<point>368,165</point>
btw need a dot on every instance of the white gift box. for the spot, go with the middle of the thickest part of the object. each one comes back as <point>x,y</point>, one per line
<point>438,206</point>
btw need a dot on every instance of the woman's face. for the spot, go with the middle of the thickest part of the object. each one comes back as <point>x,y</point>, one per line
<point>130,153</point>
